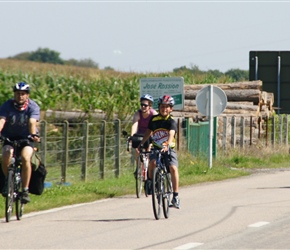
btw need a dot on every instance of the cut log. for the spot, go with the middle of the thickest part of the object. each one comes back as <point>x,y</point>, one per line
<point>238,95</point>
<point>227,86</point>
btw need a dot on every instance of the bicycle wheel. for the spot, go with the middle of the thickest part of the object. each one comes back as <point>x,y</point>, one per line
<point>145,165</point>
<point>9,197</point>
<point>156,193</point>
<point>167,195</point>
<point>19,206</point>
<point>139,178</point>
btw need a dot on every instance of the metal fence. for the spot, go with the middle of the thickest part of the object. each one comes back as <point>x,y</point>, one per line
<point>91,151</point>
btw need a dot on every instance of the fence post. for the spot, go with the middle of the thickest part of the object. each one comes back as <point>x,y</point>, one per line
<point>242,132</point>
<point>273,131</point>
<point>102,148</point>
<point>117,148</point>
<point>224,141</point>
<point>43,132</point>
<point>65,152</point>
<point>85,150</point>
<point>286,129</point>
<point>280,129</point>
<point>233,136</point>
<point>273,137</point>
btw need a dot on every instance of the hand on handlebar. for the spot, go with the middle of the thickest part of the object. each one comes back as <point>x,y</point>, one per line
<point>34,137</point>
<point>165,147</point>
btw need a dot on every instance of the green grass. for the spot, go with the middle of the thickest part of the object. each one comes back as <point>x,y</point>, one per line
<point>235,163</point>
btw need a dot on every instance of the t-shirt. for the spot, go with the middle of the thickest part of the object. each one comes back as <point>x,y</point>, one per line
<point>16,125</point>
<point>143,122</point>
<point>160,127</point>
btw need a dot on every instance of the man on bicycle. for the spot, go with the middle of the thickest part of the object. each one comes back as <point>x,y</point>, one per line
<point>162,128</point>
<point>141,119</point>
<point>18,120</point>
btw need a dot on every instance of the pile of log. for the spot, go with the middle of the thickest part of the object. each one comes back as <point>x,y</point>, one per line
<point>244,98</point>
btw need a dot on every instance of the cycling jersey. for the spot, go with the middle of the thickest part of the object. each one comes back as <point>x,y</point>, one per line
<point>160,127</point>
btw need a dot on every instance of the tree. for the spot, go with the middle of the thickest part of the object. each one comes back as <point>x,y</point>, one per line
<point>238,74</point>
<point>45,55</point>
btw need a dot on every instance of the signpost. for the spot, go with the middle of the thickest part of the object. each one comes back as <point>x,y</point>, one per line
<point>159,86</point>
<point>211,101</point>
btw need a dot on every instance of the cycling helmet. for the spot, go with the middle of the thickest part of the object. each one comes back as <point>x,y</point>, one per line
<point>147,97</point>
<point>166,99</point>
<point>21,86</point>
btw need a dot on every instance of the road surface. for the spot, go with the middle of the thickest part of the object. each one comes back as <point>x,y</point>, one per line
<point>251,212</point>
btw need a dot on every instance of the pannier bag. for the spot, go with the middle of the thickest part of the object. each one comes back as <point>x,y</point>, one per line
<point>136,140</point>
<point>38,174</point>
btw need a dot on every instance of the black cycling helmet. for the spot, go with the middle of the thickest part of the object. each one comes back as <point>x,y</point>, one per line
<point>21,86</point>
<point>166,99</point>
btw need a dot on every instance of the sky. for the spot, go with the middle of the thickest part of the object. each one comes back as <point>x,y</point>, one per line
<point>147,36</point>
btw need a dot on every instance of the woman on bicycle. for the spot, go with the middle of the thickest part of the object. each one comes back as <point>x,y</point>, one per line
<point>18,120</point>
<point>162,129</point>
<point>141,119</point>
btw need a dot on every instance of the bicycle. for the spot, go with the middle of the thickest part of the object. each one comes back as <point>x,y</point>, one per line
<point>161,185</point>
<point>141,169</point>
<point>14,195</point>
<point>141,172</point>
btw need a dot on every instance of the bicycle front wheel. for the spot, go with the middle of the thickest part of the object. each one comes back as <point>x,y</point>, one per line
<point>156,193</point>
<point>167,194</point>
<point>139,178</point>
<point>9,196</point>
<point>19,206</point>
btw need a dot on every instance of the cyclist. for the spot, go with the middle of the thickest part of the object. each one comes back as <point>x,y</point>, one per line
<point>141,119</point>
<point>162,128</point>
<point>18,120</point>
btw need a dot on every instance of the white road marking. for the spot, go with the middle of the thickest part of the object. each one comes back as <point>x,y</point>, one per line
<point>259,224</point>
<point>188,246</point>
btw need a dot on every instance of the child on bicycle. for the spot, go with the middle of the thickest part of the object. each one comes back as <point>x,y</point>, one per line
<point>18,120</point>
<point>162,128</point>
<point>141,119</point>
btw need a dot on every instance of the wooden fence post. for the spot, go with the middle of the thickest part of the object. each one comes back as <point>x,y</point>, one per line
<point>233,136</point>
<point>242,132</point>
<point>273,137</point>
<point>224,141</point>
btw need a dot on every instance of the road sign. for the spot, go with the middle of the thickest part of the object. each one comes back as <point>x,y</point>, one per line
<point>219,101</point>
<point>211,101</point>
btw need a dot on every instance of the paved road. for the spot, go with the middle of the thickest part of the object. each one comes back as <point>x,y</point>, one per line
<point>246,213</point>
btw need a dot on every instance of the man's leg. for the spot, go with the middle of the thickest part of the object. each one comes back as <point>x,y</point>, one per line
<point>26,155</point>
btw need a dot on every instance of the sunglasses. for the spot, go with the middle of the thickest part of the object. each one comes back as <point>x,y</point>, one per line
<point>144,105</point>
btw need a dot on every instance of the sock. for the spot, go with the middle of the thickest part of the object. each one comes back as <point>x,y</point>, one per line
<point>25,189</point>
<point>175,194</point>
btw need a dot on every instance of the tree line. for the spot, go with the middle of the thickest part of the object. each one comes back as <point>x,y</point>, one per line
<point>46,55</point>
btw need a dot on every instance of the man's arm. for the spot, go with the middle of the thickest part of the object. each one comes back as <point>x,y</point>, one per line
<point>33,129</point>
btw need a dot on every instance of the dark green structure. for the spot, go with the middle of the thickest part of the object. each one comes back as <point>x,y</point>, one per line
<point>273,69</point>
<point>197,134</point>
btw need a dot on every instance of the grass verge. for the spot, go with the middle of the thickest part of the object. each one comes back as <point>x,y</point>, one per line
<point>192,170</point>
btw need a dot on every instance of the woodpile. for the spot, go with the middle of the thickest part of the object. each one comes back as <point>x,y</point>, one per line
<point>244,98</point>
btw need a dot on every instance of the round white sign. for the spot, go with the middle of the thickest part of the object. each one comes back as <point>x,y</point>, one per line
<point>219,101</point>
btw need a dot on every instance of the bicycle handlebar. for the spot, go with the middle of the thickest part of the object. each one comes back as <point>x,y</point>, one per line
<point>3,138</point>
